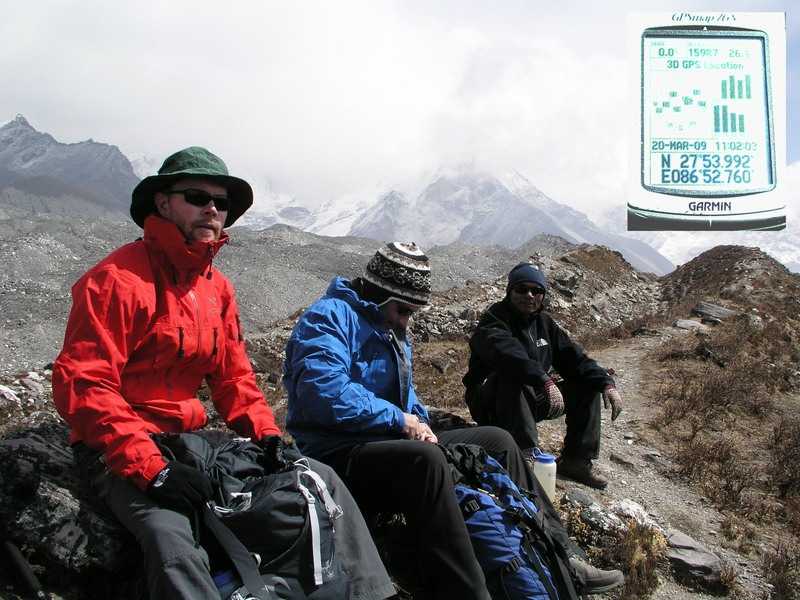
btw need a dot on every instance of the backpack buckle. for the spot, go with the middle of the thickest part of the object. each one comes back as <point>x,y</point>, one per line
<point>512,566</point>
<point>471,507</point>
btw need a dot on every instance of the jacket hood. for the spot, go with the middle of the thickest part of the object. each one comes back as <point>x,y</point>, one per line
<point>340,288</point>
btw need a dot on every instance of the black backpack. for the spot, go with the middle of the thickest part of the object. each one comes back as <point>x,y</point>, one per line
<point>276,528</point>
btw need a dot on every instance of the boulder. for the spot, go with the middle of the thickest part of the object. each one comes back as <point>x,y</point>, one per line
<point>65,533</point>
<point>692,563</point>
<point>712,311</point>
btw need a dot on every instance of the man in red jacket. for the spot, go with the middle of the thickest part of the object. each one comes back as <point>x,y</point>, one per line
<point>149,324</point>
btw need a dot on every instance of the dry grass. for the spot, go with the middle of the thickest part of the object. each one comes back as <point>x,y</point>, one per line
<point>721,394</point>
<point>782,570</point>
<point>785,474</point>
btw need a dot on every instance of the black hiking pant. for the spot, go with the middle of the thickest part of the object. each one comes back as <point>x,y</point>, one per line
<point>413,478</point>
<point>501,402</point>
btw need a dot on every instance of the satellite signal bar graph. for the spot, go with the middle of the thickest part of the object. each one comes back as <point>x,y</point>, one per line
<point>737,88</point>
<point>727,122</point>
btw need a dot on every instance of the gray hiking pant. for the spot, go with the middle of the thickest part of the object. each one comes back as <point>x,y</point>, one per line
<point>176,567</point>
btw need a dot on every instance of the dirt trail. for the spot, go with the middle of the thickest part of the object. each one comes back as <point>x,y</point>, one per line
<point>638,469</point>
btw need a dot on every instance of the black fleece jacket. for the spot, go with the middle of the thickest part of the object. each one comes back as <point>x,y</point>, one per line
<point>525,350</point>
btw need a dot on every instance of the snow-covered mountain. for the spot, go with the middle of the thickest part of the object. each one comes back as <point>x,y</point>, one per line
<point>271,208</point>
<point>479,208</point>
<point>39,174</point>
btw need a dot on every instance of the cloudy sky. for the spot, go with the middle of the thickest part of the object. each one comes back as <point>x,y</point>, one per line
<point>324,97</point>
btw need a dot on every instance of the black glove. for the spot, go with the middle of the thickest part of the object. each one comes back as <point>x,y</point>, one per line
<point>278,453</point>
<point>180,487</point>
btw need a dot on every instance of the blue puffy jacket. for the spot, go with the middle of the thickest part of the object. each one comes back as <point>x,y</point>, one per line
<point>342,376</point>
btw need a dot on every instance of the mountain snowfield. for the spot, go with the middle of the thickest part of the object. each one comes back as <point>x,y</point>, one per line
<point>459,204</point>
<point>438,207</point>
<point>454,204</point>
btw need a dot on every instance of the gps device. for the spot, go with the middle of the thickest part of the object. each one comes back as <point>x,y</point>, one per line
<point>707,125</point>
<point>706,111</point>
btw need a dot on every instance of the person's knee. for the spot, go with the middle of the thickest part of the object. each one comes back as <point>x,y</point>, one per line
<point>429,460</point>
<point>495,438</point>
<point>166,534</point>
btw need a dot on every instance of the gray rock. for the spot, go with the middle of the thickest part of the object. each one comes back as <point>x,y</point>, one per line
<point>712,311</point>
<point>692,563</point>
<point>690,325</point>
<point>628,509</point>
<point>593,512</point>
<point>623,460</point>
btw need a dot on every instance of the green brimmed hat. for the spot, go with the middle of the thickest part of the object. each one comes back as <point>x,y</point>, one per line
<point>191,162</point>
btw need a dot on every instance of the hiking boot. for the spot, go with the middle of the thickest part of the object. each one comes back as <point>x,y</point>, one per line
<point>596,581</point>
<point>581,470</point>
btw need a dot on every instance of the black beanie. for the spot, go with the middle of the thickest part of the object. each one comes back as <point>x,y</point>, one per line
<point>525,271</point>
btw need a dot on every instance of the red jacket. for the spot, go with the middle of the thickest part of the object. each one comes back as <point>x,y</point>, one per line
<point>148,324</point>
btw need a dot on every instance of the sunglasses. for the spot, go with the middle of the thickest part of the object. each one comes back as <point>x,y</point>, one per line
<point>522,290</point>
<point>403,311</point>
<point>202,198</point>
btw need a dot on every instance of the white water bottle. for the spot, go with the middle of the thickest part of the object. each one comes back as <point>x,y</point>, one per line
<point>544,467</point>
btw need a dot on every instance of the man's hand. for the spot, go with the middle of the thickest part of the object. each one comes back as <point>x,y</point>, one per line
<point>180,488</point>
<point>611,397</point>
<point>414,429</point>
<point>554,398</point>
<point>279,453</point>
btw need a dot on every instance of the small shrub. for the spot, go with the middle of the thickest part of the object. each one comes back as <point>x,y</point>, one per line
<point>640,550</point>
<point>742,535</point>
<point>785,450</point>
<point>724,583</point>
<point>782,570</point>
<point>719,468</point>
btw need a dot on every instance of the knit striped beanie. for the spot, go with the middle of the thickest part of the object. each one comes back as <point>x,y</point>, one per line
<point>398,272</point>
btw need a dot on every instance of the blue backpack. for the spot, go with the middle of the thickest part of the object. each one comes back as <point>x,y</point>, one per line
<point>519,558</point>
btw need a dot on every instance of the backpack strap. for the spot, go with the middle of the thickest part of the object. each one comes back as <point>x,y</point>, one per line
<point>313,519</point>
<point>240,557</point>
<point>333,510</point>
<point>536,535</point>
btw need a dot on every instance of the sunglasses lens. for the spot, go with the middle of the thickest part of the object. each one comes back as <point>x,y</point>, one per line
<point>201,198</point>
<point>222,202</point>
<point>524,289</point>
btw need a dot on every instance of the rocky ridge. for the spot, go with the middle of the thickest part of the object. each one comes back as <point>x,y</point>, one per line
<point>39,174</point>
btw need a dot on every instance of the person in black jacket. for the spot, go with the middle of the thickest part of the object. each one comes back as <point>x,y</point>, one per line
<point>509,386</point>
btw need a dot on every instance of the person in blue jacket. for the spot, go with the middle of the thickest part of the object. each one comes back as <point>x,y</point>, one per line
<point>352,405</point>
<point>509,385</point>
